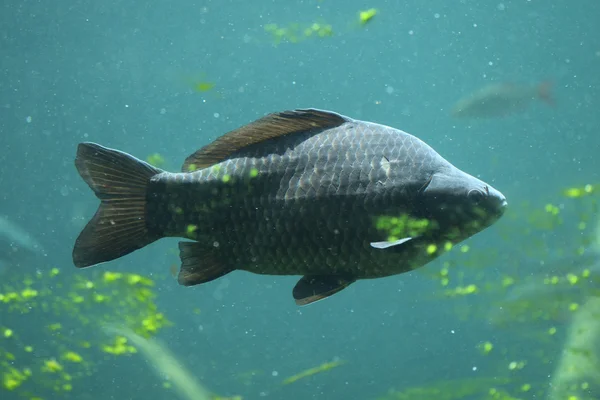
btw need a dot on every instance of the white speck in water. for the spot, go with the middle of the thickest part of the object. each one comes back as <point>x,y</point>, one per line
<point>490,63</point>
<point>216,244</point>
<point>274,373</point>
<point>293,82</point>
<point>452,331</point>
<point>411,32</point>
<point>216,115</point>
<point>389,90</point>
<point>436,15</point>
<point>474,369</point>
<point>163,111</point>
<point>474,25</point>
<point>126,105</point>
<point>28,119</point>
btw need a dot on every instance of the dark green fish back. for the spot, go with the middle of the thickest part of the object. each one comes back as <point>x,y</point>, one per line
<point>272,126</point>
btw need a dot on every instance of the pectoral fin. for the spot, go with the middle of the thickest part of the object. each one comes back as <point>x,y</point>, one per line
<point>385,245</point>
<point>312,288</point>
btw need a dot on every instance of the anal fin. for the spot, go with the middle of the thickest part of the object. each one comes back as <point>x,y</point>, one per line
<point>200,263</point>
<point>312,288</point>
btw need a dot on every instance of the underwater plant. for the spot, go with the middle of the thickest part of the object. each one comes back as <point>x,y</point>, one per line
<point>66,344</point>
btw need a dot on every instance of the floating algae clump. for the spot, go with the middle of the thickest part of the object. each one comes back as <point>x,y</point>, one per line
<point>66,343</point>
<point>295,33</point>
<point>403,226</point>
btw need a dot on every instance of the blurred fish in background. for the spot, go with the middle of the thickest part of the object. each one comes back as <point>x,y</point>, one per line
<point>501,99</point>
<point>18,249</point>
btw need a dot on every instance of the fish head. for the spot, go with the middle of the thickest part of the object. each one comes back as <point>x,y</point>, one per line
<point>459,205</point>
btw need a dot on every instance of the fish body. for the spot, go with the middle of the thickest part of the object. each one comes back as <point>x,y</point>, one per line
<point>294,193</point>
<point>501,99</point>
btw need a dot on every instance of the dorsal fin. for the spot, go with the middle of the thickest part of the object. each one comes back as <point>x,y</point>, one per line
<point>270,126</point>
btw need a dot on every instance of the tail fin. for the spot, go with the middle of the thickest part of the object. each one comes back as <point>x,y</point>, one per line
<point>544,91</point>
<point>119,226</point>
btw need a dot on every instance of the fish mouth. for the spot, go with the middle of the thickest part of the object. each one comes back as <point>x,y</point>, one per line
<point>497,211</point>
<point>502,207</point>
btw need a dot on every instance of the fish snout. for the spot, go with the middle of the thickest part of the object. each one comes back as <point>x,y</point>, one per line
<point>488,200</point>
<point>498,200</point>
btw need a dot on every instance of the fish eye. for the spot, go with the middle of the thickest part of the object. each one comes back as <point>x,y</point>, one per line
<point>476,196</point>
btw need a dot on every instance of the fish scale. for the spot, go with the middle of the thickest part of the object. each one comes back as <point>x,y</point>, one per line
<point>293,193</point>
